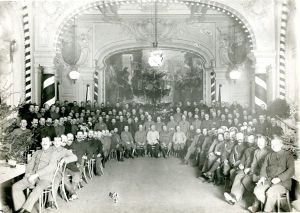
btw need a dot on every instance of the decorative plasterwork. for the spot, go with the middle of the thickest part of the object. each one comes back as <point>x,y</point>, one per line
<point>209,4</point>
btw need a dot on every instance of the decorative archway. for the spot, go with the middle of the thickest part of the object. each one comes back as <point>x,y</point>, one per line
<point>238,19</point>
<point>68,18</point>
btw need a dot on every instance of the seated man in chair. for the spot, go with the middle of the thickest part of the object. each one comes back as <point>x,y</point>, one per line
<point>246,179</point>
<point>38,175</point>
<point>275,177</point>
<point>165,137</point>
<point>152,141</point>
<point>63,156</point>
<point>140,138</point>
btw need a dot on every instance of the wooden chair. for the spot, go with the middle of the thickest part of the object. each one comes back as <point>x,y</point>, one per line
<point>62,184</point>
<point>49,191</point>
<point>285,196</point>
<point>91,167</point>
<point>113,154</point>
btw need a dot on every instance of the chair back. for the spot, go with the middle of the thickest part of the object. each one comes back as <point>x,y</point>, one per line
<point>57,170</point>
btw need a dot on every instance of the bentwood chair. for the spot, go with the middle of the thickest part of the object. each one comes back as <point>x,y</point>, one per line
<point>284,197</point>
<point>62,184</point>
<point>49,191</point>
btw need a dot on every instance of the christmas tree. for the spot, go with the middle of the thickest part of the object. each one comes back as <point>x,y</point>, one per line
<point>150,83</point>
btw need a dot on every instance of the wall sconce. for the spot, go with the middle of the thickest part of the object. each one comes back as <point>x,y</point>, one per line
<point>12,49</point>
<point>74,75</point>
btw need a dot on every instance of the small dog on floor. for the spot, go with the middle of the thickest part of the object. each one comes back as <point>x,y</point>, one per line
<point>114,196</point>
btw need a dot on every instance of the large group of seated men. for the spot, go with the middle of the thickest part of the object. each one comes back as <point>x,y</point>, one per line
<point>227,142</point>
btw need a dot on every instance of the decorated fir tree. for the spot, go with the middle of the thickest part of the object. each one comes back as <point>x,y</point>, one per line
<point>152,85</point>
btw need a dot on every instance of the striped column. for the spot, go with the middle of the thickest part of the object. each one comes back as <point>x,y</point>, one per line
<point>96,86</point>
<point>27,54</point>
<point>213,86</point>
<point>48,89</point>
<point>282,49</point>
<point>260,90</point>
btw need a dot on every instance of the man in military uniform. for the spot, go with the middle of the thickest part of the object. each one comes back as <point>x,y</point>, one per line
<point>245,180</point>
<point>127,139</point>
<point>165,139</point>
<point>140,138</point>
<point>193,146</point>
<point>38,175</point>
<point>63,156</point>
<point>153,141</point>
<point>116,143</point>
<point>275,177</point>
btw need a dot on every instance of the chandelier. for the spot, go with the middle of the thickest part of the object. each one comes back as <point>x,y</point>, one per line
<point>156,56</point>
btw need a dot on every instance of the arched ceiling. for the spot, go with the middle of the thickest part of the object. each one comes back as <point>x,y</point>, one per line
<point>204,28</point>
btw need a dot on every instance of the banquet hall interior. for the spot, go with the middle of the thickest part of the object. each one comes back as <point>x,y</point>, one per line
<point>149,106</point>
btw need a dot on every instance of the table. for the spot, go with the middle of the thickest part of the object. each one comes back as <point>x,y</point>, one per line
<point>7,174</point>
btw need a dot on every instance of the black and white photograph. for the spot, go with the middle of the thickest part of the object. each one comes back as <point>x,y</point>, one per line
<point>149,106</point>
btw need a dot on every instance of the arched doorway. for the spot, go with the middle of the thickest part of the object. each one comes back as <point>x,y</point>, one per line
<point>210,29</point>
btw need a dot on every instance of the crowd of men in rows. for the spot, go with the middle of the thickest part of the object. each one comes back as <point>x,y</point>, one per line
<point>226,142</point>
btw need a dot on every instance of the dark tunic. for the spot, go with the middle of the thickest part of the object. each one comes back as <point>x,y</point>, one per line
<point>279,164</point>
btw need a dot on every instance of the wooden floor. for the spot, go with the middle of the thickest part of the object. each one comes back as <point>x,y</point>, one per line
<point>147,185</point>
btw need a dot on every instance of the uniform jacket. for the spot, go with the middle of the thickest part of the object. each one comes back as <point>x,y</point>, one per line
<point>126,137</point>
<point>184,126</point>
<point>258,160</point>
<point>165,137</point>
<point>140,137</point>
<point>237,153</point>
<point>247,157</point>
<point>197,124</point>
<point>279,164</point>
<point>43,163</point>
<point>179,137</point>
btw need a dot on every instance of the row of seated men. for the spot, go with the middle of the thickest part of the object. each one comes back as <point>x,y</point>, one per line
<point>88,145</point>
<point>252,166</point>
<point>177,135</point>
<point>223,152</point>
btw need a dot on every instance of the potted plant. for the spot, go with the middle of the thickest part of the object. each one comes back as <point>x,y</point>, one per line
<point>280,108</point>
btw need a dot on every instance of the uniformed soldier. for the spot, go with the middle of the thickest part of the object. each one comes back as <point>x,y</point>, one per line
<point>245,180</point>
<point>213,159</point>
<point>116,143</point>
<point>172,124</point>
<point>275,177</point>
<point>148,123</point>
<point>184,125</point>
<point>140,138</point>
<point>179,141</point>
<point>207,142</point>
<point>236,154</point>
<point>62,156</point>
<point>127,140</point>
<point>153,141</point>
<point>38,175</point>
<point>159,124</point>
<point>196,123</point>
<point>192,148</point>
<point>165,139</point>
<point>106,143</point>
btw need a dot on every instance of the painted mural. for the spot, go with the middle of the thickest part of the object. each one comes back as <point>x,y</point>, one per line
<point>129,77</point>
